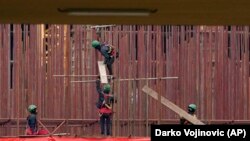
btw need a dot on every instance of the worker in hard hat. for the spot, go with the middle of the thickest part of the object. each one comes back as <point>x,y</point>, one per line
<point>104,106</point>
<point>105,113</point>
<point>191,111</point>
<point>108,52</point>
<point>32,126</point>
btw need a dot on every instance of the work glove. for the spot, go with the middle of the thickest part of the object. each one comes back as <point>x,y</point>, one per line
<point>98,81</point>
<point>104,102</point>
<point>113,99</point>
<point>117,54</point>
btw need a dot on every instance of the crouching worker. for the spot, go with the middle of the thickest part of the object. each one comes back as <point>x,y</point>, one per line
<point>32,121</point>
<point>32,124</point>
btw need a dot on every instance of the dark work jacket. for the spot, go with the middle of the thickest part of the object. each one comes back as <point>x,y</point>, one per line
<point>32,122</point>
<point>106,51</point>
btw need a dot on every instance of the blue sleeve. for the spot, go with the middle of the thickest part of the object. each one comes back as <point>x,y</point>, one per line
<point>32,121</point>
<point>104,52</point>
<point>98,87</point>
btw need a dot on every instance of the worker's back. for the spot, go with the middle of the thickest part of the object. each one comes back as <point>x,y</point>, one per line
<point>105,110</point>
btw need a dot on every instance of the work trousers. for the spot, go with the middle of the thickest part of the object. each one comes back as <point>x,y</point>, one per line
<point>105,121</point>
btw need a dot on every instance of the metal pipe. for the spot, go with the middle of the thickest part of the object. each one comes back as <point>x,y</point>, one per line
<point>129,79</point>
<point>152,78</point>
<point>99,26</point>
<point>43,125</point>
<point>79,75</point>
<point>58,127</point>
<point>87,81</point>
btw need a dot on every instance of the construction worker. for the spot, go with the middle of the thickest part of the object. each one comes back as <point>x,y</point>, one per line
<point>105,113</point>
<point>104,106</point>
<point>191,111</point>
<point>104,96</point>
<point>32,126</point>
<point>108,52</point>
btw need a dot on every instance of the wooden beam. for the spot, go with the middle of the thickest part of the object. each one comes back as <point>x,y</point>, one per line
<point>102,71</point>
<point>172,106</point>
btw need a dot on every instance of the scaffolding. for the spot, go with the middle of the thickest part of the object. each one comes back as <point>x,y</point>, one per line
<point>41,64</point>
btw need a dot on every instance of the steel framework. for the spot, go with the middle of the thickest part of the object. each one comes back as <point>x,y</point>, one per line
<point>211,64</point>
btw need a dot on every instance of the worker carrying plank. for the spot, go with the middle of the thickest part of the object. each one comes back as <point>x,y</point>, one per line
<point>109,53</point>
<point>191,111</point>
<point>174,107</point>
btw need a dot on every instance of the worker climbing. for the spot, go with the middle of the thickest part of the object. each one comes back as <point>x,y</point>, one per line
<point>104,104</point>
<point>109,53</point>
<point>191,111</point>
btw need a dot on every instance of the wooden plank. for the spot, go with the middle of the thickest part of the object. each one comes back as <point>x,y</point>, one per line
<point>102,71</point>
<point>172,106</point>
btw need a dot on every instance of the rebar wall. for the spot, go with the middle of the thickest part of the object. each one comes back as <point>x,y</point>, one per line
<point>211,63</point>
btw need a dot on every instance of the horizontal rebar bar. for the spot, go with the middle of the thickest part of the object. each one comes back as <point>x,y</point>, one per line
<point>128,79</point>
<point>152,78</point>
<point>99,26</point>
<point>80,75</point>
